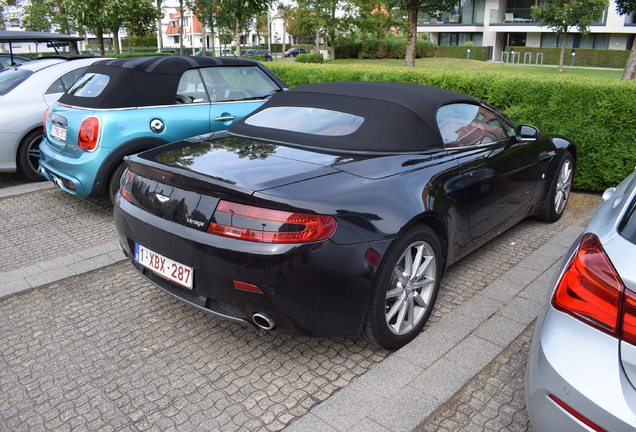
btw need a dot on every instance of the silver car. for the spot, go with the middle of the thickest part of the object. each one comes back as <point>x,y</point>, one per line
<point>26,91</point>
<point>582,366</point>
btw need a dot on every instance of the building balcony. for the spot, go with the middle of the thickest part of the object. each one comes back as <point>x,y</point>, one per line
<point>512,16</point>
<point>465,17</point>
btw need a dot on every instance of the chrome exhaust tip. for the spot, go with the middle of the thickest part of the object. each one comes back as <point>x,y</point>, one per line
<point>263,321</point>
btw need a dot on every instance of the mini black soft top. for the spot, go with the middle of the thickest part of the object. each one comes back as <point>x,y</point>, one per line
<point>149,81</point>
<point>398,117</point>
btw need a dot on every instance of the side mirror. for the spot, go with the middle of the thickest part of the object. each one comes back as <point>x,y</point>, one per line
<point>527,133</point>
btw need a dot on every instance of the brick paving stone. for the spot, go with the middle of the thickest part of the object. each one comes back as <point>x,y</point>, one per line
<point>493,400</point>
<point>107,348</point>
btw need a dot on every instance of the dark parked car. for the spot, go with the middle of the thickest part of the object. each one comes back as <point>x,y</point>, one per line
<point>335,208</point>
<point>582,363</point>
<point>293,52</point>
<point>256,52</point>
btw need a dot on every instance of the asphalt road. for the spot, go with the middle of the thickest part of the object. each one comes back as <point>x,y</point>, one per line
<point>98,348</point>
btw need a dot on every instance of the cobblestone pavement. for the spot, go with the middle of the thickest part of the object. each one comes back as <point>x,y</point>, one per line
<point>493,400</point>
<point>107,351</point>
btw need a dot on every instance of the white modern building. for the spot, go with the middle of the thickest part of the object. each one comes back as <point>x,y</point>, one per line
<point>501,23</point>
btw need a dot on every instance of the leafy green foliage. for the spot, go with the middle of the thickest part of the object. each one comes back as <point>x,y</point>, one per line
<point>385,48</point>
<point>310,58</point>
<point>598,116</point>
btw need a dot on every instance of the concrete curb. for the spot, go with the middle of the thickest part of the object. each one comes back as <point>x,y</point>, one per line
<point>407,387</point>
<point>59,268</point>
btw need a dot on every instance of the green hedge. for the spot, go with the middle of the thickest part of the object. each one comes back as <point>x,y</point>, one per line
<point>310,58</point>
<point>583,57</point>
<point>384,48</point>
<point>476,52</point>
<point>598,116</point>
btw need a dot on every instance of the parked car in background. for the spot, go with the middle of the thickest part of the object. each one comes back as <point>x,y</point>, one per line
<point>6,59</point>
<point>124,106</point>
<point>335,208</point>
<point>26,91</point>
<point>581,372</point>
<point>257,52</point>
<point>169,51</point>
<point>293,52</point>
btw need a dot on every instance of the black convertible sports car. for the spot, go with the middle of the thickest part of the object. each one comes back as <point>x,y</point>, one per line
<point>335,208</point>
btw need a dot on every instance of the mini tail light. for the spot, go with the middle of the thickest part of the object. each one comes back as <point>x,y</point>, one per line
<point>125,184</point>
<point>257,224</point>
<point>88,134</point>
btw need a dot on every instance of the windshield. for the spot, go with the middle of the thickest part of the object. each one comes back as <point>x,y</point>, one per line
<point>11,78</point>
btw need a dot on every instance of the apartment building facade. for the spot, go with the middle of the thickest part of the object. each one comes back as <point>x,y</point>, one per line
<point>501,23</point>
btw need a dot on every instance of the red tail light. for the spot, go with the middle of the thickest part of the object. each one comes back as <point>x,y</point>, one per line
<point>269,226</point>
<point>88,134</point>
<point>591,290</point>
<point>125,184</point>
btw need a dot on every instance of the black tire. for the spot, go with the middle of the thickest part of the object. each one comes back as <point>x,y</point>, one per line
<point>113,182</point>
<point>29,155</point>
<point>400,305</point>
<point>560,189</point>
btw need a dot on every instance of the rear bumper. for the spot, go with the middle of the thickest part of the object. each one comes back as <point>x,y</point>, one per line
<point>62,169</point>
<point>312,289</point>
<point>580,366</point>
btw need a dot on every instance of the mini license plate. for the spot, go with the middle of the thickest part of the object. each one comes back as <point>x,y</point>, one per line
<point>58,132</point>
<point>171,270</point>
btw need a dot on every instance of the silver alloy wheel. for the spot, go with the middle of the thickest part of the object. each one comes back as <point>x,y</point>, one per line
<point>33,153</point>
<point>412,286</point>
<point>563,186</point>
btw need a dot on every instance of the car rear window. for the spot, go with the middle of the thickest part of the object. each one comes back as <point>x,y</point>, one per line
<point>313,121</point>
<point>11,78</point>
<point>627,227</point>
<point>89,85</point>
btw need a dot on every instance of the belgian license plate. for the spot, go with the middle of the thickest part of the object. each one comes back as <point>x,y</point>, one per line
<point>58,132</point>
<point>171,270</point>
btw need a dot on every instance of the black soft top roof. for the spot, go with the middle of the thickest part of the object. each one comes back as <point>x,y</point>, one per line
<point>149,81</point>
<point>399,117</point>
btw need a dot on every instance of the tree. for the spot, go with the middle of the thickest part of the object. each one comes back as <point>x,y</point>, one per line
<point>433,8</point>
<point>211,16</point>
<point>137,16</point>
<point>243,12</point>
<point>560,15</point>
<point>626,7</point>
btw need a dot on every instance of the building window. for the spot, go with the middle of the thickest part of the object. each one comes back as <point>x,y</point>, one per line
<point>176,39</point>
<point>460,39</point>
<point>576,40</point>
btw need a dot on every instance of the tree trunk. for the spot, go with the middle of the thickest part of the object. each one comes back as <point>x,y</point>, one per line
<point>100,41</point>
<point>317,47</point>
<point>181,21</point>
<point>115,32</point>
<point>284,33</point>
<point>411,33</point>
<point>159,29</point>
<point>212,37</point>
<point>562,55</point>
<point>204,41</point>
<point>332,32</point>
<point>630,67</point>
<point>237,38</point>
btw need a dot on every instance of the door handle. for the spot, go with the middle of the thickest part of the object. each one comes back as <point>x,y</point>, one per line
<point>223,119</point>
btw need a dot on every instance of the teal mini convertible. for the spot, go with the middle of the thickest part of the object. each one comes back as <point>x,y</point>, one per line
<point>121,107</point>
